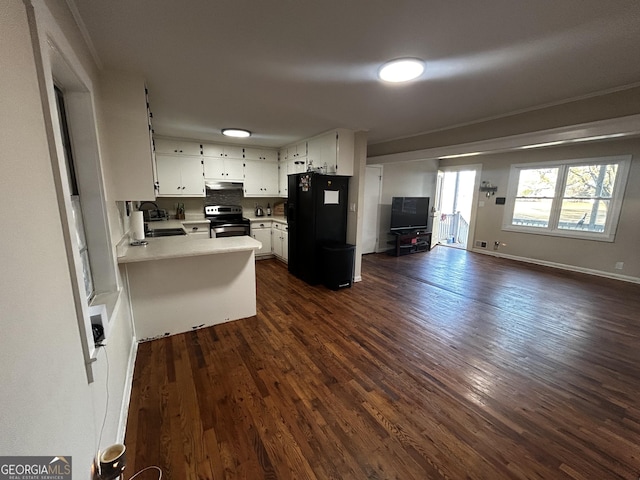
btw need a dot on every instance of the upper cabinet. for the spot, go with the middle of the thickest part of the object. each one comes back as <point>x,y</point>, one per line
<point>333,152</point>
<point>294,152</point>
<point>127,137</point>
<point>223,162</point>
<point>224,169</point>
<point>180,176</point>
<point>260,178</point>
<point>177,147</point>
<point>260,154</point>
<point>222,151</point>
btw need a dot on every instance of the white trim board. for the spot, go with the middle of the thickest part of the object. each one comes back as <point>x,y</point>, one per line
<point>126,396</point>
<point>621,127</point>
<point>560,266</point>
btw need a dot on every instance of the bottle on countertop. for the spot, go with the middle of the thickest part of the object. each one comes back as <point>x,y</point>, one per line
<point>268,209</point>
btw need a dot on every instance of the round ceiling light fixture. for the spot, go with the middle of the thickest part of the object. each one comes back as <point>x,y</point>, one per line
<point>401,70</point>
<point>236,132</point>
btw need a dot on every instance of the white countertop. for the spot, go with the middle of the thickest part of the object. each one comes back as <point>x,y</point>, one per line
<point>272,218</point>
<point>175,223</point>
<point>186,246</point>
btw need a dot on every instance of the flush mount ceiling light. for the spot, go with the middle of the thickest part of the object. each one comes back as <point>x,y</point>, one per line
<point>236,132</point>
<point>401,70</point>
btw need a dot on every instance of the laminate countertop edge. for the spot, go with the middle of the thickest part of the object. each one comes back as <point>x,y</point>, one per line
<point>187,246</point>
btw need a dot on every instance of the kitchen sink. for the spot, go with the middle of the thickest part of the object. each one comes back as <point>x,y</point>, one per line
<point>166,232</point>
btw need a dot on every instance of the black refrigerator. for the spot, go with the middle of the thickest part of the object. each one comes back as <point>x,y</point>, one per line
<point>317,219</point>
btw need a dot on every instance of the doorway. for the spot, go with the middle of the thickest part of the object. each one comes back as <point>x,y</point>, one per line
<point>458,191</point>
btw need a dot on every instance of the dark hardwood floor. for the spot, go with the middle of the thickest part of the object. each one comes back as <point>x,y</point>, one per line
<point>442,365</point>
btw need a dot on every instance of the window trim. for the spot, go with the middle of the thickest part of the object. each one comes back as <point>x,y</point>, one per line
<point>613,216</point>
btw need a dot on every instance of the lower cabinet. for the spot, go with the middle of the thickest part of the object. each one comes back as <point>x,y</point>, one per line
<point>261,231</point>
<point>197,229</point>
<point>280,241</point>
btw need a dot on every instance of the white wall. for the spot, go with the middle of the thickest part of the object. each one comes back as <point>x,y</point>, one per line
<point>48,406</point>
<point>409,179</point>
<point>588,255</point>
<point>356,196</point>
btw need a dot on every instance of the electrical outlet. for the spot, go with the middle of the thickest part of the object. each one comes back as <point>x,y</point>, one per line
<point>619,265</point>
<point>496,245</point>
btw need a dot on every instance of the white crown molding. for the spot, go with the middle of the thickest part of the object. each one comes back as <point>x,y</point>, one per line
<point>85,33</point>
<point>627,126</point>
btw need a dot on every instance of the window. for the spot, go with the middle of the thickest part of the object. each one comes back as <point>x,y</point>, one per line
<point>79,231</point>
<point>573,198</point>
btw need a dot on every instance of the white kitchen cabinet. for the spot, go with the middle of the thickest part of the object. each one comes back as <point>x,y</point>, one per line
<point>223,169</point>
<point>260,154</point>
<point>261,231</point>
<point>197,229</point>
<point>280,240</point>
<point>177,147</point>
<point>333,150</point>
<point>283,181</point>
<point>222,151</point>
<point>179,176</point>
<point>285,246</point>
<point>287,168</point>
<point>127,137</point>
<point>260,178</point>
<point>296,151</point>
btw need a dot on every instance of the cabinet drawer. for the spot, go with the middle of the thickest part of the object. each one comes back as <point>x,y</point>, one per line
<point>199,229</point>
<point>260,224</point>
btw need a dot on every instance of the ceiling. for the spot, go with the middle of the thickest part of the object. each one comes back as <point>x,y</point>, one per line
<point>291,69</point>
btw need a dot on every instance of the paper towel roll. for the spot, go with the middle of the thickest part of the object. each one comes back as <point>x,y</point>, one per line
<point>137,225</point>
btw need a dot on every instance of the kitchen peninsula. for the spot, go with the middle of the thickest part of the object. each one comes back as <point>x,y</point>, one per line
<point>181,283</point>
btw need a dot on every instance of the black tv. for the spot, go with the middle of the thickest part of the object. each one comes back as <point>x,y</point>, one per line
<point>409,213</point>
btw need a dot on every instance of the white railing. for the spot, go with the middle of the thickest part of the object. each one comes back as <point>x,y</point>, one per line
<point>453,228</point>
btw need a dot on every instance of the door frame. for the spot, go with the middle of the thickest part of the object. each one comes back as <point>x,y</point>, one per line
<point>476,195</point>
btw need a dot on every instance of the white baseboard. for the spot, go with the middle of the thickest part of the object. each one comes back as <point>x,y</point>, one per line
<point>561,266</point>
<point>357,278</point>
<point>126,397</point>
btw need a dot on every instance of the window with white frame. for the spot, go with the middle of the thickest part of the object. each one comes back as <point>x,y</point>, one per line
<point>578,198</point>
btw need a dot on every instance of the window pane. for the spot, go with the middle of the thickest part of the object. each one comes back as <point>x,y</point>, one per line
<point>591,181</point>
<point>586,215</point>
<point>537,182</point>
<point>532,212</point>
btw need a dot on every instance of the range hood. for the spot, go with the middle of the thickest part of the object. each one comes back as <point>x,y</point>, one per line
<point>217,185</point>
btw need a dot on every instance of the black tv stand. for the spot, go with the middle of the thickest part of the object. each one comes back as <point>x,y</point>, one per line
<point>409,241</point>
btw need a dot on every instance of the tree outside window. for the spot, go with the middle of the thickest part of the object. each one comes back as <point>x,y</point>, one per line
<point>580,198</point>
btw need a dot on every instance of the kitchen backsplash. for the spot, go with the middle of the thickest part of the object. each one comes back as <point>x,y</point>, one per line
<point>224,197</point>
<point>195,206</point>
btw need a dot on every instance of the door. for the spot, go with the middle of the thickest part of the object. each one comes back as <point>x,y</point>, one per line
<point>371,213</point>
<point>458,205</point>
<point>437,210</point>
<point>169,174</point>
<point>192,177</point>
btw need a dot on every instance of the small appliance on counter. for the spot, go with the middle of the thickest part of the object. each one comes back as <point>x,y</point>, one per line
<point>259,211</point>
<point>153,214</point>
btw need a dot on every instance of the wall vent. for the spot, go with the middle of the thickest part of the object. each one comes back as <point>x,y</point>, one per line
<point>481,244</point>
